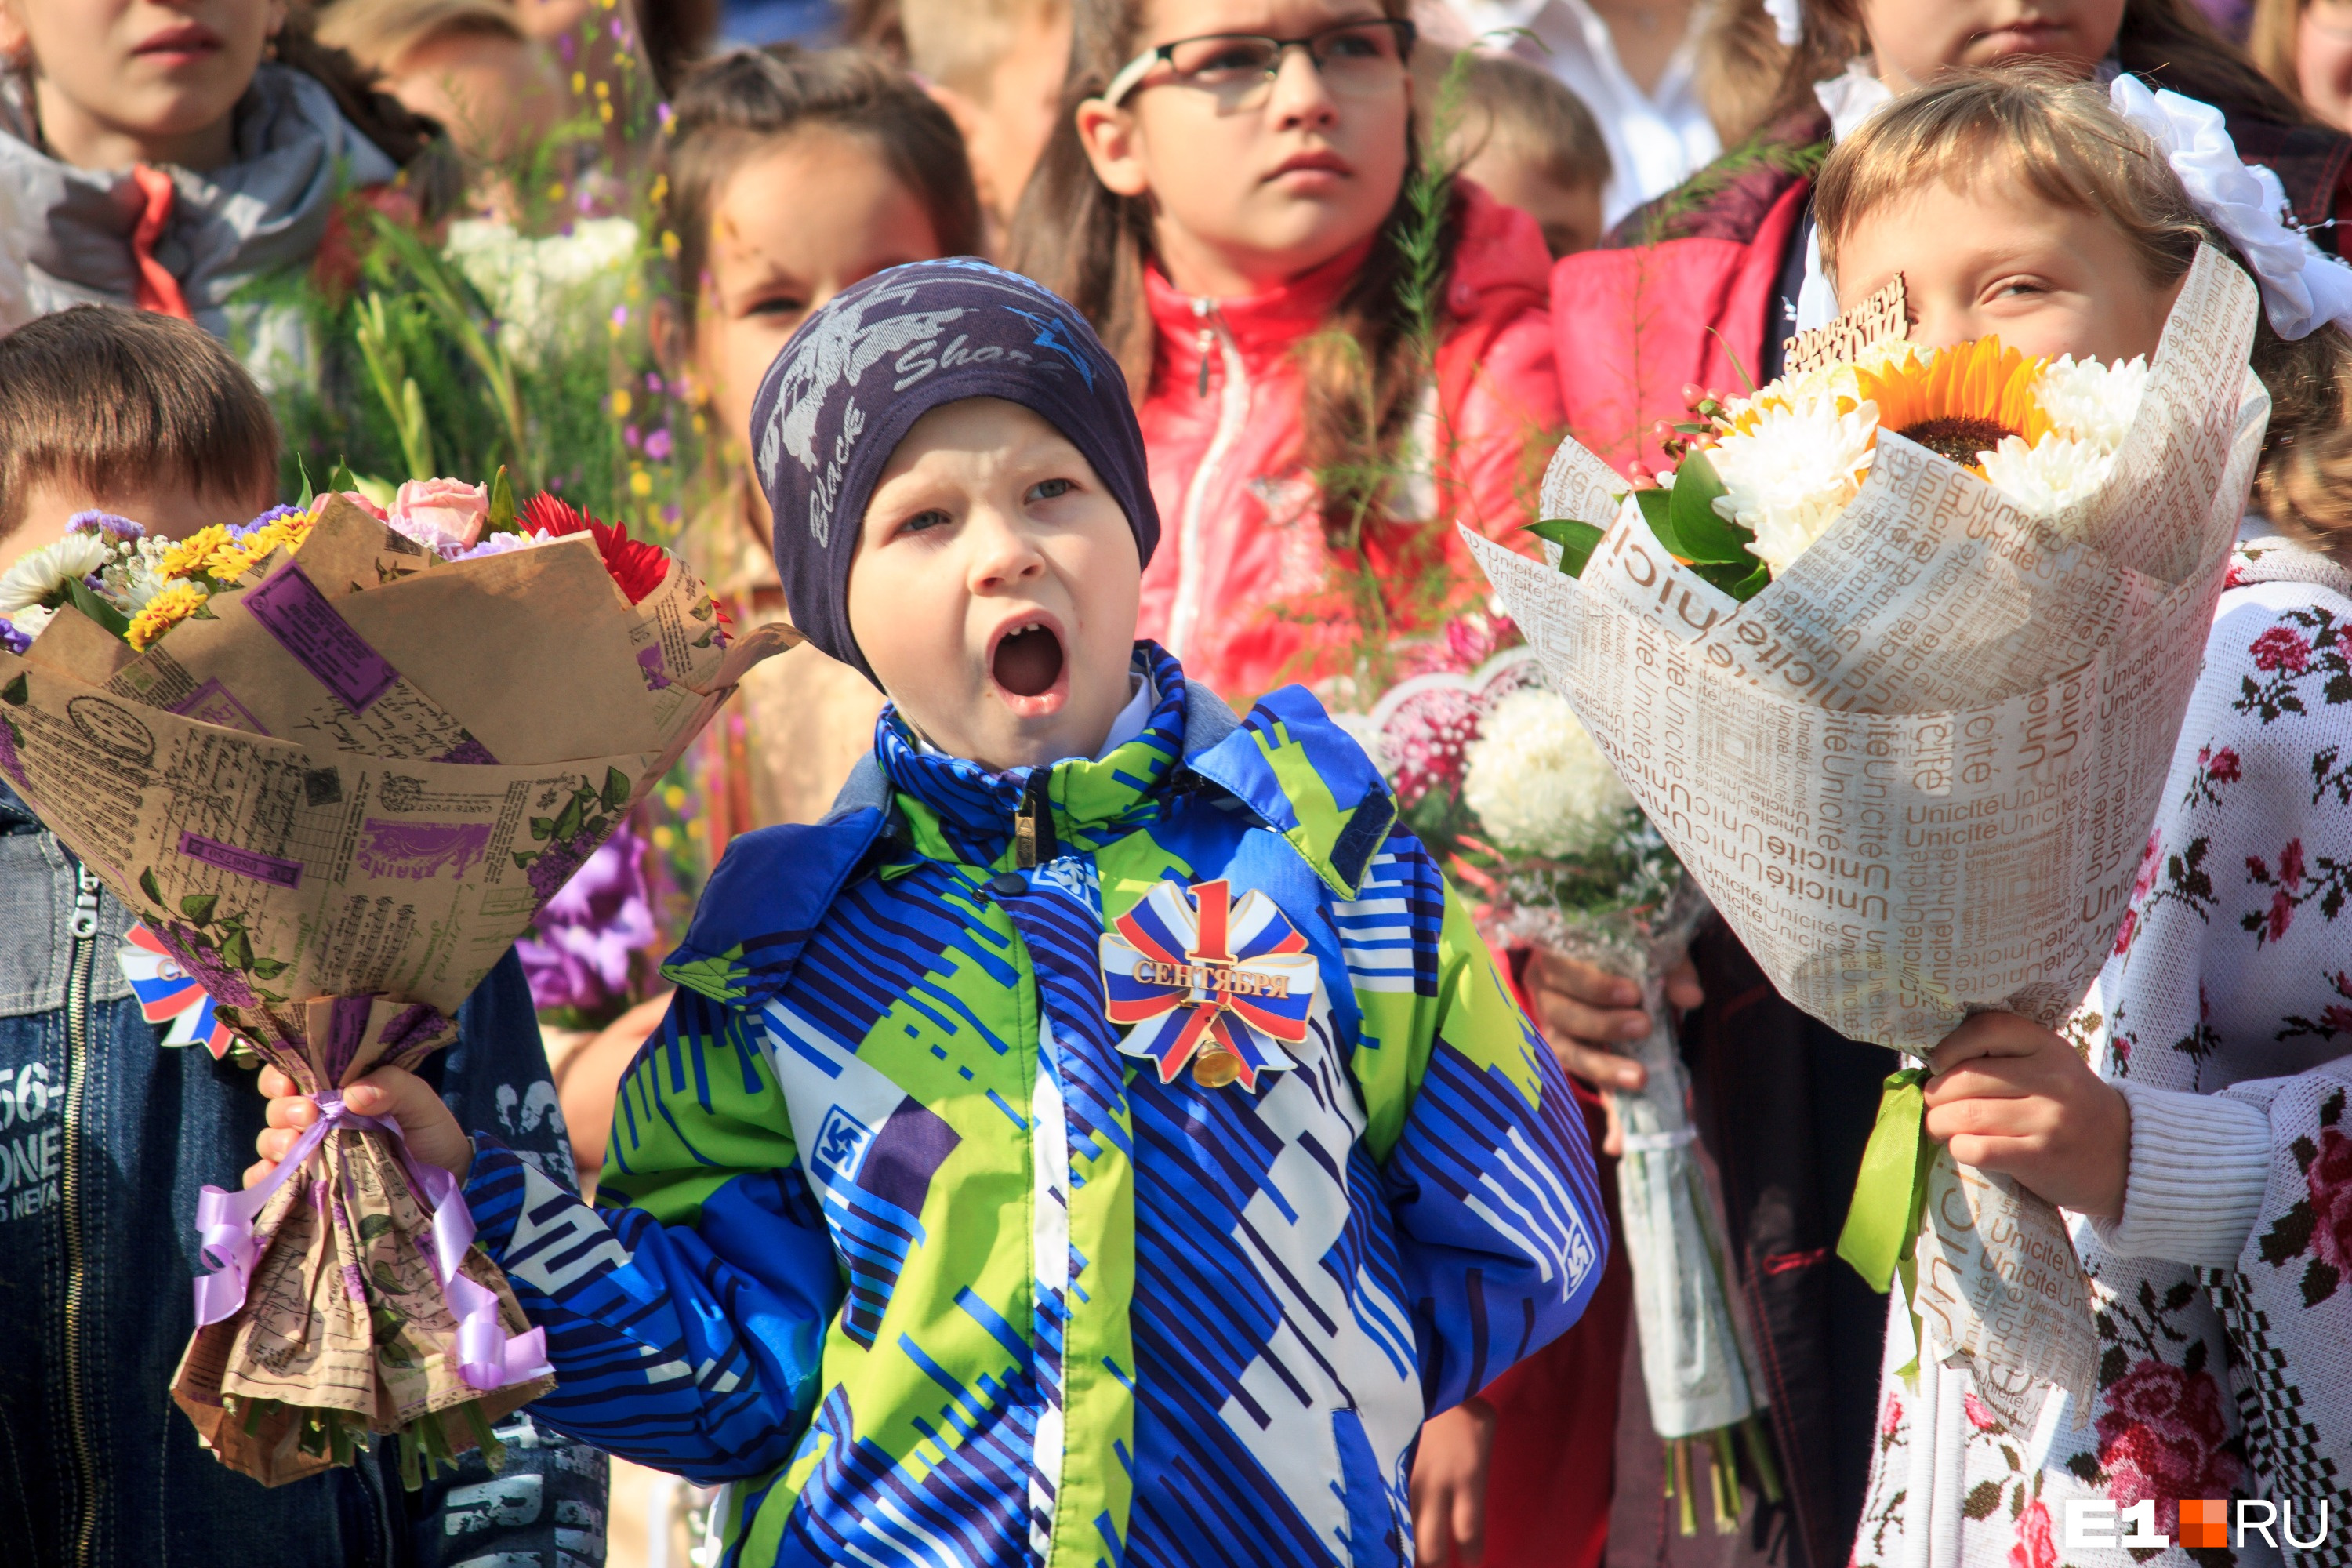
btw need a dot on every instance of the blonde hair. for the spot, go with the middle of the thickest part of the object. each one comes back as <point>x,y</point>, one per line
<point>380,33</point>
<point>2270,41</point>
<point>1532,112</point>
<point>2066,144</point>
<point>959,43</point>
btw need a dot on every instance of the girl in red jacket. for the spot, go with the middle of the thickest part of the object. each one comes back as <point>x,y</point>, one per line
<point>1228,199</point>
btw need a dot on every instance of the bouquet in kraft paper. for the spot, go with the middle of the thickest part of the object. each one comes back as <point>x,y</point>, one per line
<point>1894,661</point>
<point>336,760</point>
<point>1492,772</point>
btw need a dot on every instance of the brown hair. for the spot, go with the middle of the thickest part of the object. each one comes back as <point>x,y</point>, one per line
<point>2169,43</point>
<point>402,135</point>
<point>98,393</point>
<point>735,104</point>
<point>2071,148</point>
<point>1075,236</point>
<point>1511,101</point>
<point>959,43</point>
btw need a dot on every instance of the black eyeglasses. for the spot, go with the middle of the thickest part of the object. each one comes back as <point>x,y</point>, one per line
<point>1357,59</point>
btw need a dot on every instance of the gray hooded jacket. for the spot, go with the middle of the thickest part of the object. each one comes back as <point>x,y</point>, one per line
<point>69,229</point>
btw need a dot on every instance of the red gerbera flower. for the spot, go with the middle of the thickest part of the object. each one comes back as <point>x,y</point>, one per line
<point>636,567</point>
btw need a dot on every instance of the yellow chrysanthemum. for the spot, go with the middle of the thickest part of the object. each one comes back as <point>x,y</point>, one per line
<point>1958,402</point>
<point>193,556</point>
<point>165,610</point>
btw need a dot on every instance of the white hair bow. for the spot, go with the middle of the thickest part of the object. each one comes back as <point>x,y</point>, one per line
<point>1788,21</point>
<point>2304,288</point>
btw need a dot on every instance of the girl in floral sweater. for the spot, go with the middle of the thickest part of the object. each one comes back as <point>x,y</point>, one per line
<point>2192,1119</point>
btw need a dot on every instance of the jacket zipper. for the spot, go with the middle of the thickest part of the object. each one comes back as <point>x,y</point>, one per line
<point>1034,840</point>
<point>78,985</point>
<point>1233,417</point>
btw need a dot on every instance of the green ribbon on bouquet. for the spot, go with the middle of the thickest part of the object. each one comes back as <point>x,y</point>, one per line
<point>1892,1185</point>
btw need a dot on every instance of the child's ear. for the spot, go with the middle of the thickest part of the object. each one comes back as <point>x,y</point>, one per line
<point>277,17</point>
<point>15,38</point>
<point>666,324</point>
<point>1112,146</point>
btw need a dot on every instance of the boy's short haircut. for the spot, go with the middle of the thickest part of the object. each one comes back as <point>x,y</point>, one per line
<point>1535,114</point>
<point>114,402</point>
<point>380,33</point>
<point>958,44</point>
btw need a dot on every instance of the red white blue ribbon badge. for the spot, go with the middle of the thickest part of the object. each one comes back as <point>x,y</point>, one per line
<point>169,994</point>
<point>1201,974</point>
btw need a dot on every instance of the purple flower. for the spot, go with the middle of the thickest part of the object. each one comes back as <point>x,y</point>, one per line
<point>654,384</point>
<point>620,315</point>
<point>630,437</point>
<point>498,544</point>
<point>11,638</point>
<point>104,523</point>
<point>663,112</point>
<point>578,954</point>
<point>657,446</point>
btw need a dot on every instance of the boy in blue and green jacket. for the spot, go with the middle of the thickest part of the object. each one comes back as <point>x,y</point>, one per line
<point>1104,1140</point>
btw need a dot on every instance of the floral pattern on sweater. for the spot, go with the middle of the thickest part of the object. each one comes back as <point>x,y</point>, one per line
<point>2228,981</point>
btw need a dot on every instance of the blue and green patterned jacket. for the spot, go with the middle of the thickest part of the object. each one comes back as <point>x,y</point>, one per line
<point>894,1238</point>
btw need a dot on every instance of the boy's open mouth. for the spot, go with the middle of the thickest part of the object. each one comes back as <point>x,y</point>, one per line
<point>1028,661</point>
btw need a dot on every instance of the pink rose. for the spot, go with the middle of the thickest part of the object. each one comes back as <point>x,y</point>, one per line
<point>2162,1436</point>
<point>356,499</point>
<point>2035,1546</point>
<point>446,515</point>
<point>2330,1180</point>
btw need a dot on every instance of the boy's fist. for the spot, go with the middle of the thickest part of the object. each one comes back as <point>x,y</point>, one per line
<point>2012,1097</point>
<point>433,1133</point>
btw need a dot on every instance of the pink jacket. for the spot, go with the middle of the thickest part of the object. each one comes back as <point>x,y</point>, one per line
<point>1242,556</point>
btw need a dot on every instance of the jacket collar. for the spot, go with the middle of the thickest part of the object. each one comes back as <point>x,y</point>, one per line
<point>957,810</point>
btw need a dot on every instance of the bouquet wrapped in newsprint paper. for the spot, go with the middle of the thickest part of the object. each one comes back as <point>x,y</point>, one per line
<point>1895,665</point>
<point>336,762</point>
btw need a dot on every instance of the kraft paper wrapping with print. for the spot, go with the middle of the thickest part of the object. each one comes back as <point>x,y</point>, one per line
<point>1915,773</point>
<point>339,802</point>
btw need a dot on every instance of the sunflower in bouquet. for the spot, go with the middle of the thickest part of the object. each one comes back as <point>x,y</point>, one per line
<point>1759,480</point>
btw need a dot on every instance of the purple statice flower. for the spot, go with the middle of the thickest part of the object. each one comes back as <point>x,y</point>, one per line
<point>630,439</point>
<point>654,384</point>
<point>657,445</point>
<point>598,913</point>
<point>105,525</point>
<point>13,639</point>
<point>663,112</point>
<point>620,315</point>
<point>500,544</point>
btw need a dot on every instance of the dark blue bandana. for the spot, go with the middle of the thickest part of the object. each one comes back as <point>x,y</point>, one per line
<point>859,373</point>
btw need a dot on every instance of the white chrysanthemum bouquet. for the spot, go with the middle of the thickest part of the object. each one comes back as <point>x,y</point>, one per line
<point>1762,478</point>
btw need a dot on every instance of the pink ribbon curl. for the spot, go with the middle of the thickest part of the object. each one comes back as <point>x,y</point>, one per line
<point>487,1356</point>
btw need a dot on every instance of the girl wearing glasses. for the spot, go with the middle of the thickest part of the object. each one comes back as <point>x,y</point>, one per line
<point>1226,199</point>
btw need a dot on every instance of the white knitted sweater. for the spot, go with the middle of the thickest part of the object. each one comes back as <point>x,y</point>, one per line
<point>2223,1305</point>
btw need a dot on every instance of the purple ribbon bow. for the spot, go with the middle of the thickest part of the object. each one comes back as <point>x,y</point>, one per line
<point>487,1356</point>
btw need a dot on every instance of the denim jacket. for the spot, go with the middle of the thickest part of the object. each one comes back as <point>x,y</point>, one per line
<point>106,1140</point>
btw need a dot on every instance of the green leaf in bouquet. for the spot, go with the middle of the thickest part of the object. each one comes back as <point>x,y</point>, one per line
<point>616,789</point>
<point>371,1225</point>
<point>343,479</point>
<point>1577,541</point>
<point>303,469</point>
<point>567,821</point>
<point>199,907</point>
<point>1755,582</point>
<point>543,828</point>
<point>149,886</point>
<point>16,695</point>
<point>1657,511</point>
<point>502,518</point>
<point>236,950</point>
<point>1728,576</point>
<point>1700,534</point>
<point>97,609</point>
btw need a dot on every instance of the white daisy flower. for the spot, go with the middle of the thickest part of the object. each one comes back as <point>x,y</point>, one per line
<point>48,570</point>
<point>1791,474</point>
<point>2047,477</point>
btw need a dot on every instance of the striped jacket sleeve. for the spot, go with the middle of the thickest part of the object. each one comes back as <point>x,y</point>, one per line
<point>685,1312</point>
<point>1482,1149</point>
